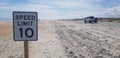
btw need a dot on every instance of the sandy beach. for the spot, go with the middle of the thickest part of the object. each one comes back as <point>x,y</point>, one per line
<point>65,39</point>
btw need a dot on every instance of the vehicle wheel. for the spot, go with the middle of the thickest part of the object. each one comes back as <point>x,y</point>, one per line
<point>95,21</point>
<point>89,21</point>
<point>85,21</point>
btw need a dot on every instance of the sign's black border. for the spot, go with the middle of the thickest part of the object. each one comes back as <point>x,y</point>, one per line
<point>36,24</point>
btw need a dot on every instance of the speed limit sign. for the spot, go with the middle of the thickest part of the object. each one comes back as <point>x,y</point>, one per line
<point>25,26</point>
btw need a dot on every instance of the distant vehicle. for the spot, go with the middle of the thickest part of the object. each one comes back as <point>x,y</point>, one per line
<point>90,19</point>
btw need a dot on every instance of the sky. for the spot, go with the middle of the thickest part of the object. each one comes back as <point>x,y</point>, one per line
<point>62,9</point>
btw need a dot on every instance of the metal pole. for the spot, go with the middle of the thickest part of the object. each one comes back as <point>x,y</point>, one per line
<point>26,50</point>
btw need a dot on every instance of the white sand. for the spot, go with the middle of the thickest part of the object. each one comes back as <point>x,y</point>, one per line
<point>68,39</point>
<point>48,46</point>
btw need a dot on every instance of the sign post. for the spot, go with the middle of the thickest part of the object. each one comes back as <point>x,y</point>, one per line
<point>26,49</point>
<point>25,28</point>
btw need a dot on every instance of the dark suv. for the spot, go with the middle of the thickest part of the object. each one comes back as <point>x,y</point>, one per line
<point>90,19</point>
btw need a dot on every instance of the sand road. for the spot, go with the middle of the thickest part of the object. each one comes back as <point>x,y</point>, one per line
<point>68,39</point>
<point>81,40</point>
<point>47,46</point>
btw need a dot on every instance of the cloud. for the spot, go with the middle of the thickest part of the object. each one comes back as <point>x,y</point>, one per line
<point>113,12</point>
<point>56,9</point>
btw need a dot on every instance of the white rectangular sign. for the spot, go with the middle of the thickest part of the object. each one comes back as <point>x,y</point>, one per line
<point>25,26</point>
